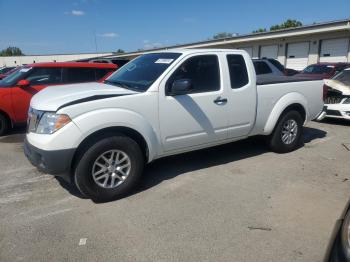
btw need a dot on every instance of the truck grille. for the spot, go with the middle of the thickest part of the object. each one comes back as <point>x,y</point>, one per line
<point>333,100</point>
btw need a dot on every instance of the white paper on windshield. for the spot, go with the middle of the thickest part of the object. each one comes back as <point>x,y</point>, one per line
<point>330,66</point>
<point>164,61</point>
<point>25,70</point>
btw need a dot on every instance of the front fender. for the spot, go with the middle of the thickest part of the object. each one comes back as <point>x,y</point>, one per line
<point>284,102</point>
<point>96,120</point>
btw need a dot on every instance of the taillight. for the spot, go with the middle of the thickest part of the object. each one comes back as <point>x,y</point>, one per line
<point>325,91</point>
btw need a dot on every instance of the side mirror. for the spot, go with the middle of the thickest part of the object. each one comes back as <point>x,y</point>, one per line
<point>23,83</point>
<point>181,87</point>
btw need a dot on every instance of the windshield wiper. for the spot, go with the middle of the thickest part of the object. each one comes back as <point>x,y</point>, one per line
<point>121,84</point>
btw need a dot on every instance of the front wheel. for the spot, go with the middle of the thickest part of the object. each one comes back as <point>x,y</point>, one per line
<point>287,133</point>
<point>109,169</point>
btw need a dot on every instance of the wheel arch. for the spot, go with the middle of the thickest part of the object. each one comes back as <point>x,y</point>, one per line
<point>108,132</point>
<point>291,101</point>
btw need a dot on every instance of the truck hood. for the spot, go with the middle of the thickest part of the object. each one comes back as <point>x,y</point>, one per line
<point>54,97</point>
<point>339,86</point>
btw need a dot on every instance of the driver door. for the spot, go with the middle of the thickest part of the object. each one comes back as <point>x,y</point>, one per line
<point>198,117</point>
<point>39,78</point>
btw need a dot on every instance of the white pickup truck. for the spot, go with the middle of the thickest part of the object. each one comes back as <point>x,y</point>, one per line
<point>162,104</point>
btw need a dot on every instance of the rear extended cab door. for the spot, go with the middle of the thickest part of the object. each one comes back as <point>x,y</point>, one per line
<point>240,91</point>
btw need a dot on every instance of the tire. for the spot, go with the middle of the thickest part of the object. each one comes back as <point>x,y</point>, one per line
<point>282,144</point>
<point>109,183</point>
<point>4,125</point>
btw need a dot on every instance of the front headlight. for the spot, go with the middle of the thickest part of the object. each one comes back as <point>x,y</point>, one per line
<point>51,122</point>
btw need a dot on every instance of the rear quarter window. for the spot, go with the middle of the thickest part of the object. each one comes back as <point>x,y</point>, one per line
<point>238,71</point>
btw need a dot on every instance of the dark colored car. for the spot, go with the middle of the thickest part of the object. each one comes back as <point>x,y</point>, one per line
<point>322,70</point>
<point>17,89</point>
<point>339,246</point>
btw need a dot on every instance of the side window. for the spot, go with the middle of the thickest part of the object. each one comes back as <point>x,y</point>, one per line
<point>101,72</point>
<point>45,76</point>
<point>261,68</point>
<point>202,70</point>
<point>238,71</point>
<point>79,75</point>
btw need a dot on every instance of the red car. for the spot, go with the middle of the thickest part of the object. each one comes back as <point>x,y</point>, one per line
<point>17,89</point>
<point>322,70</point>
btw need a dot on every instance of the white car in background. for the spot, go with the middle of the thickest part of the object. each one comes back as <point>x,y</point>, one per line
<point>337,100</point>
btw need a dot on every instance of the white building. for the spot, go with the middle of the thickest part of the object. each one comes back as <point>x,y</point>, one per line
<point>30,59</point>
<point>295,48</point>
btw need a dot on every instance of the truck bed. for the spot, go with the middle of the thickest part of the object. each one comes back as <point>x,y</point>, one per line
<point>269,79</point>
<point>274,91</point>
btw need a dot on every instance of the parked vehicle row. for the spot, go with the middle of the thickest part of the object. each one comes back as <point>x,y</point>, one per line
<point>17,89</point>
<point>162,104</point>
<point>269,66</point>
<point>263,67</point>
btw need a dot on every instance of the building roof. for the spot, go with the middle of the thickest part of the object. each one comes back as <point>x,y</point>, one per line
<point>316,28</point>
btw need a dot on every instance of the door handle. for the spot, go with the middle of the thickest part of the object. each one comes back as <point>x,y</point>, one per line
<point>220,101</point>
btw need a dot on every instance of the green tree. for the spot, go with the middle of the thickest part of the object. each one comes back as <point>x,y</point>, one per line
<point>120,51</point>
<point>11,51</point>
<point>290,23</point>
<point>260,30</point>
<point>222,35</point>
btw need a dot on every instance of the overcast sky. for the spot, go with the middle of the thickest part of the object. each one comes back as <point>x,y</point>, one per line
<point>71,26</point>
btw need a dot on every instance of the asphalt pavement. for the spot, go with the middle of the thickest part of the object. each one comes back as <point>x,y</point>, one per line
<point>237,202</point>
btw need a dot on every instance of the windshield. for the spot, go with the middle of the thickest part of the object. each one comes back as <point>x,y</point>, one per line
<point>318,69</point>
<point>343,77</point>
<point>140,73</point>
<point>15,76</point>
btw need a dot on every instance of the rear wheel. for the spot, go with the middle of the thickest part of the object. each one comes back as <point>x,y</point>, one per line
<point>287,133</point>
<point>4,125</point>
<point>109,169</point>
